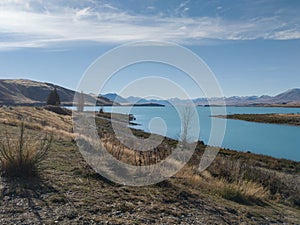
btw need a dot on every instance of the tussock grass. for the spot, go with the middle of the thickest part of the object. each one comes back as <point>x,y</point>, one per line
<point>245,192</point>
<point>242,191</point>
<point>21,155</point>
<point>246,174</point>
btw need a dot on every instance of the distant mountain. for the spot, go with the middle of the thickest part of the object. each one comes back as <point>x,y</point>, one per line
<point>115,98</point>
<point>133,99</point>
<point>290,97</point>
<point>143,101</point>
<point>28,92</point>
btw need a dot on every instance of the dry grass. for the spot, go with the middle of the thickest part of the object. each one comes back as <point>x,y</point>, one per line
<point>21,155</point>
<point>35,118</point>
<point>70,189</point>
<point>281,186</point>
<point>240,177</point>
<point>229,184</point>
<point>242,191</point>
<point>245,192</point>
<point>241,180</point>
<point>137,158</point>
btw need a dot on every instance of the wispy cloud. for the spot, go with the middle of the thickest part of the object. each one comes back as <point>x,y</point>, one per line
<point>38,24</point>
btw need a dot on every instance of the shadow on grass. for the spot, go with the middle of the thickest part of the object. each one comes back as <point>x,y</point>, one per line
<point>29,189</point>
<point>85,171</point>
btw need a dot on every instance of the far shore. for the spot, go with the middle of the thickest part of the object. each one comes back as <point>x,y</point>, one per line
<point>255,105</point>
<point>283,119</point>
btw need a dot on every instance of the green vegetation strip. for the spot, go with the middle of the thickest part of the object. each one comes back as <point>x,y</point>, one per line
<point>287,119</point>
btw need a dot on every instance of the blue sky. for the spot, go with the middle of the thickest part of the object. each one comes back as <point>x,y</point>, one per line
<point>253,47</point>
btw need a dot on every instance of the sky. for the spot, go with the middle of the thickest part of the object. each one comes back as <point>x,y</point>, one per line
<point>252,47</point>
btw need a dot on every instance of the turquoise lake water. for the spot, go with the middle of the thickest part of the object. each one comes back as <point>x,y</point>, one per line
<point>280,141</point>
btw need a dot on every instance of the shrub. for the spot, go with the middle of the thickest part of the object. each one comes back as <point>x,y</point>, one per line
<point>21,156</point>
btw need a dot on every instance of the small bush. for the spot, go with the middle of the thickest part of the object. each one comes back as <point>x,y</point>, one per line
<point>21,156</point>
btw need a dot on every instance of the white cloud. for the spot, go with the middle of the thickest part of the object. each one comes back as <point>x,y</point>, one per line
<point>34,24</point>
<point>285,34</point>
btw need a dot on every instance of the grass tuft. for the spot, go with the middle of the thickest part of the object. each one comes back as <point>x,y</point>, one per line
<point>244,192</point>
<point>20,156</point>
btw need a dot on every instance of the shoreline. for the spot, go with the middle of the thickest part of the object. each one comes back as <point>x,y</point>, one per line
<point>286,119</point>
<point>247,151</point>
<point>146,134</point>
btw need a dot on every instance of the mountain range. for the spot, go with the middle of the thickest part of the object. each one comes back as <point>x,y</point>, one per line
<point>28,92</point>
<point>288,98</point>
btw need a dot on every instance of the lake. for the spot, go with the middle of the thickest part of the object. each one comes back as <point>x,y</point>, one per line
<point>280,141</point>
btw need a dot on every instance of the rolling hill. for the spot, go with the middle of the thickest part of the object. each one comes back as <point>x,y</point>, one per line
<point>28,92</point>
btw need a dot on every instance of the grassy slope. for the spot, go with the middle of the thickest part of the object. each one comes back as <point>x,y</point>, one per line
<point>70,192</point>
